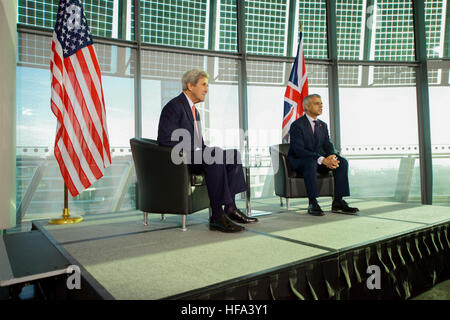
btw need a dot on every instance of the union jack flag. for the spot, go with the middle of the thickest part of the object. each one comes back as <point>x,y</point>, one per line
<point>81,144</point>
<point>296,91</point>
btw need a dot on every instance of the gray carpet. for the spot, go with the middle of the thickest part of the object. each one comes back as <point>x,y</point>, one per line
<point>136,262</point>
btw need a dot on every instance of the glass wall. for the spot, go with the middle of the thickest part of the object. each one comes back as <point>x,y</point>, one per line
<point>379,132</point>
<point>161,82</point>
<point>350,29</point>
<point>226,35</point>
<point>438,74</point>
<point>266,87</point>
<point>39,182</point>
<point>266,26</point>
<point>175,23</point>
<point>437,24</point>
<point>312,14</point>
<point>103,15</point>
<point>392,30</point>
<point>378,107</point>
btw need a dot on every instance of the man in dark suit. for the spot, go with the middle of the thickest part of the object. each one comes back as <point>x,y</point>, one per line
<point>312,151</point>
<point>179,125</point>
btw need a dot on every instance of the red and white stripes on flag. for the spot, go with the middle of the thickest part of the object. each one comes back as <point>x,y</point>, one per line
<point>81,145</point>
<point>296,91</point>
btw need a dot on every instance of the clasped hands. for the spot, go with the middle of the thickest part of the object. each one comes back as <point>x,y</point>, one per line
<point>331,162</point>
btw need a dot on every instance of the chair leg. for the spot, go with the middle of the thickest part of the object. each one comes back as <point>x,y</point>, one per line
<point>163,217</point>
<point>287,203</point>
<point>281,201</point>
<point>145,218</point>
<point>183,226</point>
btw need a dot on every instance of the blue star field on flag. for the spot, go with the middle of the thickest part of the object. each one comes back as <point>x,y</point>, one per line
<point>71,27</point>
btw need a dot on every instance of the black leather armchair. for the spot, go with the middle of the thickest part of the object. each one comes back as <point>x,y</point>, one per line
<point>290,184</point>
<point>162,186</point>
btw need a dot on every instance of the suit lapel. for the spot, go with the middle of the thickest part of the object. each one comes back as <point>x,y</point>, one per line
<point>184,101</point>
<point>307,126</point>
<point>187,108</point>
<point>310,132</point>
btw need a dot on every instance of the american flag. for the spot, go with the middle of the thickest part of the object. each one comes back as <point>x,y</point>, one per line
<point>296,91</point>
<point>81,144</point>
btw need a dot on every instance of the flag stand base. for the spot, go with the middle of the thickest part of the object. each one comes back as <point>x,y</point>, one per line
<point>66,218</point>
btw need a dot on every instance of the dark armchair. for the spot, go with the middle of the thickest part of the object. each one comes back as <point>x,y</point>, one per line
<point>162,186</point>
<point>290,184</point>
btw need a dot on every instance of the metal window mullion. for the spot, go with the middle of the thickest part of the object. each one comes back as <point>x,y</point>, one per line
<point>243,102</point>
<point>122,17</point>
<point>137,76</point>
<point>212,25</point>
<point>291,28</point>
<point>333,81</point>
<point>423,104</point>
<point>446,51</point>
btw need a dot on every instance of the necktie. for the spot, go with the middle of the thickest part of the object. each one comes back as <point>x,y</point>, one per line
<point>195,119</point>
<point>316,130</point>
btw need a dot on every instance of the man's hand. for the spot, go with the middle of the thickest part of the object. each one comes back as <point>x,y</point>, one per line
<point>331,162</point>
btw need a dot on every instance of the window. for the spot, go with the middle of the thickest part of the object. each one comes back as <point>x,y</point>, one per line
<point>435,28</point>
<point>227,26</point>
<point>175,23</point>
<point>384,160</point>
<point>393,31</point>
<point>39,183</point>
<point>313,16</point>
<point>101,14</point>
<point>266,87</point>
<point>350,29</point>
<point>440,133</point>
<point>379,134</point>
<point>219,114</point>
<point>266,26</point>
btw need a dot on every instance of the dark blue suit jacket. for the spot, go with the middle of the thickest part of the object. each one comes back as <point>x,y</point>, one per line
<point>303,146</point>
<point>223,181</point>
<point>177,114</point>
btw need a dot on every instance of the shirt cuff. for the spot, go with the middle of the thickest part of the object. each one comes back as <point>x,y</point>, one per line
<point>320,159</point>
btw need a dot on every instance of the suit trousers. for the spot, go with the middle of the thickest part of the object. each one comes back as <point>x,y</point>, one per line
<point>224,176</point>
<point>309,169</point>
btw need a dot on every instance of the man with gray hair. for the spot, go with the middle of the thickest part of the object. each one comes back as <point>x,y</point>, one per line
<point>312,151</point>
<point>224,178</point>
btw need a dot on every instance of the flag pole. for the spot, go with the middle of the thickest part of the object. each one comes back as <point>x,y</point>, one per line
<point>72,46</point>
<point>66,218</point>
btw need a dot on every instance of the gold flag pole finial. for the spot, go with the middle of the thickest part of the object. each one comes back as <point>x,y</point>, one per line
<point>301,26</point>
<point>66,218</point>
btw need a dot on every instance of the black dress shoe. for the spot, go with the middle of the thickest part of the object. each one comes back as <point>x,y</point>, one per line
<point>315,210</point>
<point>238,216</point>
<point>340,206</point>
<point>224,224</point>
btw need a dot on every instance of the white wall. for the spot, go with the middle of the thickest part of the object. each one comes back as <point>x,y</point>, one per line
<point>8,40</point>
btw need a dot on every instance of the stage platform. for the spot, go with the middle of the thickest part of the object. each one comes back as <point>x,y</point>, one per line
<point>286,255</point>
